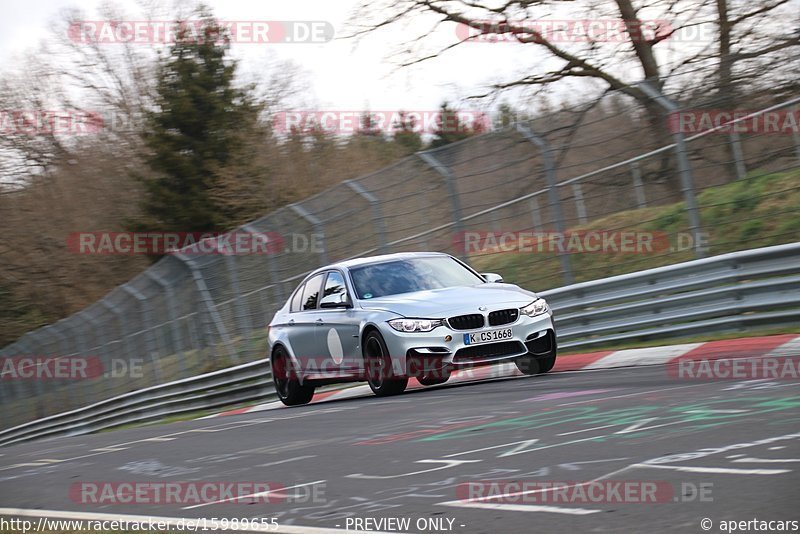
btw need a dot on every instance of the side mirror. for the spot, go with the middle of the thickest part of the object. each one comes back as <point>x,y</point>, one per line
<point>334,300</point>
<point>492,278</point>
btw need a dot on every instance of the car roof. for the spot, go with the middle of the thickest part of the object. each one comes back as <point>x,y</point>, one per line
<point>355,262</point>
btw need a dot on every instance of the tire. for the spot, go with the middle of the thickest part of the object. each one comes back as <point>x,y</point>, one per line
<point>290,391</point>
<point>434,379</point>
<point>535,365</point>
<point>378,365</point>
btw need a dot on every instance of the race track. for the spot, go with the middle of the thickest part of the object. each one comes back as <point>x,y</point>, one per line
<point>717,449</point>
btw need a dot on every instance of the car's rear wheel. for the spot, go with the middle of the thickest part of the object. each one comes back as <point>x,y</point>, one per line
<point>535,365</point>
<point>290,391</point>
<point>378,363</point>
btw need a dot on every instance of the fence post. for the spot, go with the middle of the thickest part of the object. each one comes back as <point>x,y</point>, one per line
<point>552,195</point>
<point>455,199</point>
<point>377,213</point>
<point>177,335</point>
<point>687,183</point>
<point>638,186</point>
<point>86,347</point>
<point>580,206</point>
<point>272,260</point>
<point>738,155</point>
<point>148,326</point>
<point>796,138</point>
<point>242,315</point>
<point>536,214</point>
<point>208,302</point>
<point>318,227</point>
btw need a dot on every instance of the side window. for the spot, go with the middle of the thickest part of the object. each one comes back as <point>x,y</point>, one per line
<point>334,285</point>
<point>296,299</point>
<point>311,292</point>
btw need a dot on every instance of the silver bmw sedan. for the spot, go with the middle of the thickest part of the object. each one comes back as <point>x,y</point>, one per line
<point>385,319</point>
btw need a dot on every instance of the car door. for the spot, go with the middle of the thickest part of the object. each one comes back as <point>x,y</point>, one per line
<point>302,324</point>
<point>337,335</point>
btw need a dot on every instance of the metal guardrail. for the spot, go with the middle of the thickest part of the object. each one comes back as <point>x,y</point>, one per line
<point>730,292</point>
<point>725,293</point>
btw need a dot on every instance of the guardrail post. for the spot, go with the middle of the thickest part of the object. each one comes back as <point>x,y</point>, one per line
<point>318,227</point>
<point>377,213</point>
<point>738,155</point>
<point>552,194</point>
<point>211,311</point>
<point>687,183</point>
<point>177,335</point>
<point>638,186</point>
<point>455,199</point>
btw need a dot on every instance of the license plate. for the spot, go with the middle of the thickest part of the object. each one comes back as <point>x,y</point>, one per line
<point>488,336</point>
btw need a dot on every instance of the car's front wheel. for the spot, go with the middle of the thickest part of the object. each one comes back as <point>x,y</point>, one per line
<point>290,391</point>
<point>535,365</point>
<point>378,364</point>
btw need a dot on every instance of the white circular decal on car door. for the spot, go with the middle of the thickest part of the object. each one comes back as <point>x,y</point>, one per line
<point>335,346</point>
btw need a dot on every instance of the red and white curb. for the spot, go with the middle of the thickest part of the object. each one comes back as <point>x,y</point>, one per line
<point>780,346</point>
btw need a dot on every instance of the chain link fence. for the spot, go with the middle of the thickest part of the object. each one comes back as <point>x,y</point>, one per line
<point>605,166</point>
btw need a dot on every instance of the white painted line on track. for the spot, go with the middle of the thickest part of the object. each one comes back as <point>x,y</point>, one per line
<point>523,508</point>
<point>715,470</point>
<point>287,460</point>
<point>767,460</point>
<point>170,521</point>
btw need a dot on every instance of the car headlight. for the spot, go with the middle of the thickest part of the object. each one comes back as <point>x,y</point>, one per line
<point>537,307</point>
<point>415,325</point>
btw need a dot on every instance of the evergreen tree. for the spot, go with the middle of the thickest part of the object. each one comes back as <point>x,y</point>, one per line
<point>195,132</point>
<point>405,134</point>
<point>450,128</point>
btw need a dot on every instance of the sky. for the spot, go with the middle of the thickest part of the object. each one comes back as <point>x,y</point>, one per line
<point>344,74</point>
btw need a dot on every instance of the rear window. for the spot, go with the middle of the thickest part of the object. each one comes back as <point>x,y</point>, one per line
<point>311,292</point>
<point>297,299</point>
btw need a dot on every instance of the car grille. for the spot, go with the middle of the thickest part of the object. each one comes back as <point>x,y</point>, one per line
<point>466,322</point>
<point>490,350</point>
<point>496,318</point>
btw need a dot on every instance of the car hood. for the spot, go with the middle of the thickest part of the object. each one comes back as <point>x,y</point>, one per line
<point>440,303</point>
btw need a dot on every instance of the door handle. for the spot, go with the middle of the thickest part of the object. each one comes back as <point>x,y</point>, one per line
<point>291,322</point>
<point>319,322</point>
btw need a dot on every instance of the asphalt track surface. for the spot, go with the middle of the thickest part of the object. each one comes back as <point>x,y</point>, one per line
<point>722,450</point>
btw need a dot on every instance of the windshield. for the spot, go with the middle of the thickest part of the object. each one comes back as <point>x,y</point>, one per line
<point>412,274</point>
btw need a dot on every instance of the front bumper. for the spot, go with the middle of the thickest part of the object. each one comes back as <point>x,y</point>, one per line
<point>530,335</point>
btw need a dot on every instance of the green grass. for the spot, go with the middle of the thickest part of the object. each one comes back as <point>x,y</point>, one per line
<point>758,211</point>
